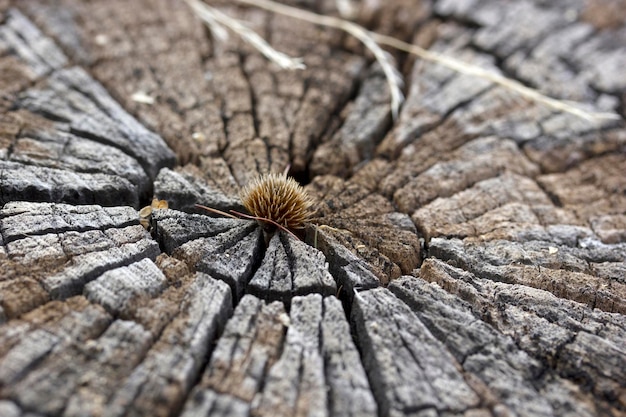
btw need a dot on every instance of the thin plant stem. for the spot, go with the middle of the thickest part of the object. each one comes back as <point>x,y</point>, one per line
<point>214,19</point>
<point>384,59</point>
<point>372,39</point>
<point>238,215</point>
<point>263,219</point>
<point>508,83</point>
<point>216,211</point>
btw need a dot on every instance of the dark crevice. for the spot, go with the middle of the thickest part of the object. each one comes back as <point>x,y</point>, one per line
<point>223,147</point>
<point>14,140</point>
<point>346,301</point>
<point>333,124</point>
<point>145,200</point>
<point>291,265</point>
<point>302,177</point>
<point>324,356</point>
<point>219,330</point>
<point>3,202</point>
<point>463,21</point>
<point>205,57</point>
<point>553,197</point>
<point>621,106</point>
<point>253,99</point>
<point>46,114</point>
<point>146,190</point>
<point>71,228</point>
<point>372,372</point>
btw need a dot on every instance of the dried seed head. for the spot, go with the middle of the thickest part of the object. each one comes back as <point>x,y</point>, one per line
<point>278,198</point>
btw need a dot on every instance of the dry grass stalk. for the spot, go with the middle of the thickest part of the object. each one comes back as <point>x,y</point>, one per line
<point>346,8</point>
<point>385,60</point>
<point>495,78</point>
<point>371,41</point>
<point>214,19</point>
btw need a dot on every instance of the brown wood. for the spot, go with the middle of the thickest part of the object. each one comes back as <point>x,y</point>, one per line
<point>467,258</point>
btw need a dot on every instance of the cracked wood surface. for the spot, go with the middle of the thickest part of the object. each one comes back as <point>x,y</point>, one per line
<point>467,258</point>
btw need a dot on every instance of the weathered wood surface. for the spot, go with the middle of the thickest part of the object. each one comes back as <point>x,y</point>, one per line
<point>467,258</point>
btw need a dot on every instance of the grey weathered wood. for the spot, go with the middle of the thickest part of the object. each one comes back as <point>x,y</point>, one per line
<point>119,288</point>
<point>38,51</point>
<point>291,267</point>
<point>408,367</point>
<point>296,381</point>
<point>24,219</point>
<point>493,358</point>
<point>517,210</point>
<point>350,393</point>
<point>366,121</point>
<point>170,368</point>
<point>210,403</point>
<point>570,339</point>
<point>351,272</point>
<point>91,349</point>
<point>183,191</point>
<point>225,248</point>
<point>85,149</point>
<point>71,96</point>
<point>43,354</point>
<point>552,38</point>
<point>174,228</point>
<point>231,256</point>
<point>123,344</point>
<point>215,245</point>
<point>272,373</point>
<point>78,243</point>
<point>241,359</point>
<point>570,272</point>
<point>86,267</point>
<point>21,182</point>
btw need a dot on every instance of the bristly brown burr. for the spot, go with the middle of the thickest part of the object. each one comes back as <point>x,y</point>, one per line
<point>278,198</point>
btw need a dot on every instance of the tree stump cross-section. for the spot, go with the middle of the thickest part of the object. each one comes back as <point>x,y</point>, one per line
<point>464,258</point>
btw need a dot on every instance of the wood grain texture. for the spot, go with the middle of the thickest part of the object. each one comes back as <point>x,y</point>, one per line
<point>52,250</point>
<point>466,258</point>
<point>65,139</point>
<point>563,335</point>
<point>293,363</point>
